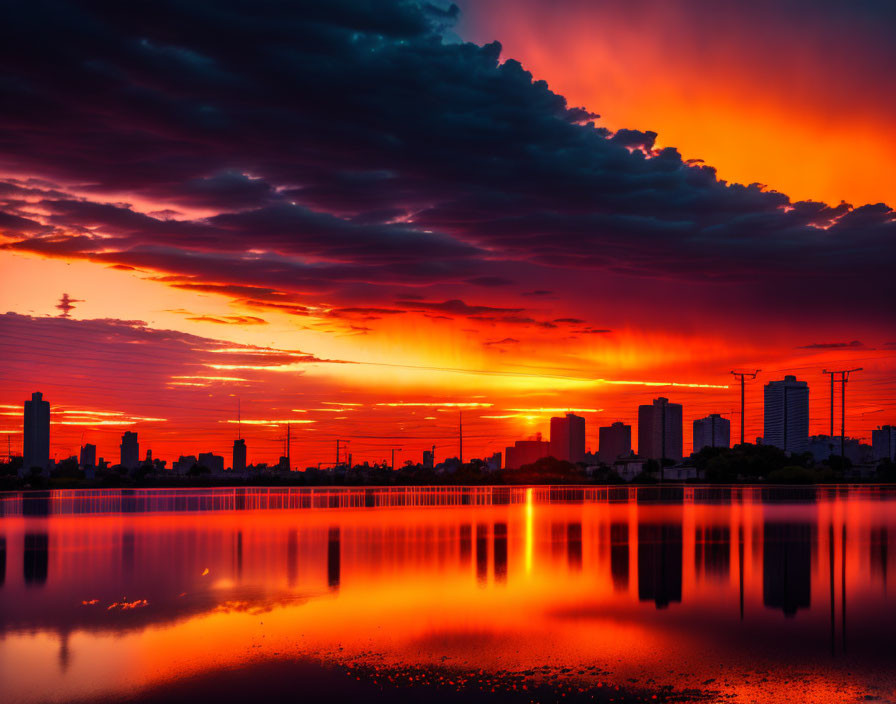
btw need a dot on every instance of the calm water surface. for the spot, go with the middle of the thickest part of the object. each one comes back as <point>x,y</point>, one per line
<point>738,594</point>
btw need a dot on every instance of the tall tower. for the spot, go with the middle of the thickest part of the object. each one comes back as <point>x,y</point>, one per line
<point>568,438</point>
<point>615,441</point>
<point>712,431</point>
<point>787,414</point>
<point>660,430</point>
<point>239,455</point>
<point>36,443</point>
<point>130,450</point>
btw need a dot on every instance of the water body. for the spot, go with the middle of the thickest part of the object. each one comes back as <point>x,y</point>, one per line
<point>450,594</point>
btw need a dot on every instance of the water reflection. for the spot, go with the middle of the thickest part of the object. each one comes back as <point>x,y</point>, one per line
<point>786,563</point>
<point>699,582</point>
<point>36,558</point>
<point>659,563</point>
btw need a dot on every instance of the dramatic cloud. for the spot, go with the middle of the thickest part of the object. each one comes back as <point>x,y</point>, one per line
<point>325,150</point>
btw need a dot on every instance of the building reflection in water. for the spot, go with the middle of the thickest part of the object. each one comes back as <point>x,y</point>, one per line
<point>481,554</point>
<point>787,566</point>
<point>712,551</point>
<point>659,563</point>
<point>465,548</point>
<point>879,546</point>
<point>2,559</point>
<point>555,566</point>
<point>36,558</point>
<point>574,546</point>
<point>334,557</point>
<point>499,551</point>
<point>619,560</point>
<point>292,557</point>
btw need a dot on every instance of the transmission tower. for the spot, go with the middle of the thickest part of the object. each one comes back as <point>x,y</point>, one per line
<point>742,376</point>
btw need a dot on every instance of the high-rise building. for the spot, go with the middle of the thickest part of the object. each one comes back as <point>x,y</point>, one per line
<point>787,414</point>
<point>615,441</point>
<point>568,438</point>
<point>36,443</point>
<point>239,455</point>
<point>88,456</point>
<point>660,430</point>
<point>211,461</point>
<point>883,442</point>
<point>524,452</point>
<point>712,431</point>
<point>427,459</point>
<point>130,450</point>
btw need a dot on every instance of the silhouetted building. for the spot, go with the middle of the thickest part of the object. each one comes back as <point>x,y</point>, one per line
<point>184,464</point>
<point>428,459</point>
<point>823,446</point>
<point>712,431</point>
<point>130,450</point>
<point>568,438</point>
<point>659,563</point>
<point>883,443</point>
<point>493,463</point>
<point>660,430</point>
<point>88,456</point>
<point>211,461</point>
<point>526,452</point>
<point>239,455</point>
<point>36,441</point>
<point>615,441</point>
<point>787,566</point>
<point>787,414</point>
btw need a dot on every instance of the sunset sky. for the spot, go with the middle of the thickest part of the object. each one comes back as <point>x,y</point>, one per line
<point>361,218</point>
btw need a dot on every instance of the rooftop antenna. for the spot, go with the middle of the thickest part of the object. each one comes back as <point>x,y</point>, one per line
<point>742,376</point>
<point>844,377</point>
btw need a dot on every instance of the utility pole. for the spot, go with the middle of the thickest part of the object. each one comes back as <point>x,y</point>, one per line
<point>288,448</point>
<point>844,377</point>
<point>832,401</point>
<point>663,443</point>
<point>742,376</point>
<point>239,421</point>
<point>338,454</point>
<point>460,430</point>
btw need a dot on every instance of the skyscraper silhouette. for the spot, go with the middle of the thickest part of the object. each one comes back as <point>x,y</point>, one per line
<point>130,450</point>
<point>568,438</point>
<point>712,431</point>
<point>36,443</point>
<point>615,441</point>
<point>787,414</point>
<point>660,430</point>
<point>239,455</point>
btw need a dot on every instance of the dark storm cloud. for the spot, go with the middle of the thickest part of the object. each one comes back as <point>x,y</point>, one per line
<point>854,345</point>
<point>454,307</point>
<point>344,144</point>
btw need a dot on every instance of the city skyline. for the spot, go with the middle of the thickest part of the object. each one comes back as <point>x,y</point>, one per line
<point>660,432</point>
